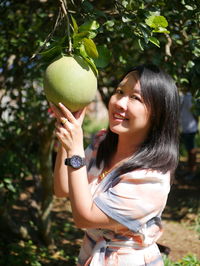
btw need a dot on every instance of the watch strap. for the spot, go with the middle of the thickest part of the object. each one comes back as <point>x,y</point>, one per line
<point>67,161</point>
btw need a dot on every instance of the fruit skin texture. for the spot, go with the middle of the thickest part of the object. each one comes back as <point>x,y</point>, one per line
<point>71,81</point>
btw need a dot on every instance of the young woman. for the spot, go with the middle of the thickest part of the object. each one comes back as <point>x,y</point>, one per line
<point>119,195</point>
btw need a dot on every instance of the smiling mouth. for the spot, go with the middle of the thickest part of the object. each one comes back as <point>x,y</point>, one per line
<point>120,117</point>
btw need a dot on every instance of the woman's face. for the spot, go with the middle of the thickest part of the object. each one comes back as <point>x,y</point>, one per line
<point>127,112</point>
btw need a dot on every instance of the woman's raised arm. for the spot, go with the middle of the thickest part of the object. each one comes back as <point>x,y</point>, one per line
<point>61,188</point>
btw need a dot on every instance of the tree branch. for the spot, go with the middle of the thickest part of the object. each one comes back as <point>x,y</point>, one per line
<point>65,12</point>
<point>167,47</point>
<point>48,37</point>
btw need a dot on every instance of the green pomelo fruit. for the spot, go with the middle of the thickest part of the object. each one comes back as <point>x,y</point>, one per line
<point>71,81</point>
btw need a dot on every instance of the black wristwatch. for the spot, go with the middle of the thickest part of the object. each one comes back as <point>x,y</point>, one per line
<point>75,161</point>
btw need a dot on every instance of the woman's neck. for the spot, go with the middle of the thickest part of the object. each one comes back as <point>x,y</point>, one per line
<point>124,150</point>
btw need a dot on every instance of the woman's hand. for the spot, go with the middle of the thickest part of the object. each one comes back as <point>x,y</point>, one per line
<point>68,128</point>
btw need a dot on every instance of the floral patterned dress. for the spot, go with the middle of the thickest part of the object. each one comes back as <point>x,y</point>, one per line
<point>136,201</point>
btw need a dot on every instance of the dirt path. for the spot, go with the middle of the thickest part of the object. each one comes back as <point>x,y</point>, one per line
<point>180,239</point>
<point>181,218</point>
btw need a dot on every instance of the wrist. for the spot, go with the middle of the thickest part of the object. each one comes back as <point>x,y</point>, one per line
<point>73,152</point>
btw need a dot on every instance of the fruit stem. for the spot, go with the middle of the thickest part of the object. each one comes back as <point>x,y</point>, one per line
<point>64,10</point>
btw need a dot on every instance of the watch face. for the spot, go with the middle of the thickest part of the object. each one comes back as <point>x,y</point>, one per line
<point>76,161</point>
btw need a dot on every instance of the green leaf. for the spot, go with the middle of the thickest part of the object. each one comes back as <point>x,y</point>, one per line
<point>62,41</point>
<point>92,34</point>
<point>154,41</point>
<point>184,80</point>
<point>109,24</point>
<point>81,35</point>
<point>92,65</point>
<point>75,25</point>
<point>190,64</point>
<point>90,48</point>
<point>161,30</point>
<point>145,34</point>
<point>104,56</point>
<point>18,131</point>
<point>78,37</point>
<point>88,6</point>
<point>51,53</point>
<point>190,7</point>
<point>11,187</point>
<point>82,51</point>
<point>180,42</point>
<point>7,180</point>
<point>156,21</point>
<point>125,3</point>
<point>122,60</point>
<point>140,44</point>
<point>126,19</point>
<point>89,25</point>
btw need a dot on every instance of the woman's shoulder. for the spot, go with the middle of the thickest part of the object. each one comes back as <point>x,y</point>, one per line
<point>152,180</point>
<point>148,175</point>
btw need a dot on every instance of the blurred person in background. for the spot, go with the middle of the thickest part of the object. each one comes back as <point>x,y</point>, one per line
<point>188,129</point>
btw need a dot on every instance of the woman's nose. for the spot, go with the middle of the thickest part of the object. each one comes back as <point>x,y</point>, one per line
<point>122,103</point>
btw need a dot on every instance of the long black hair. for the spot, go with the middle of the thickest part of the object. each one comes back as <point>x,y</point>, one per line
<point>160,149</point>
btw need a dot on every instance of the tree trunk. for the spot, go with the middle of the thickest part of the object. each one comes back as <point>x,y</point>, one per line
<point>47,186</point>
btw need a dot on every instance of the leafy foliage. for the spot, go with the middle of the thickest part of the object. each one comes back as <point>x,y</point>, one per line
<point>82,43</point>
<point>111,35</point>
<point>188,260</point>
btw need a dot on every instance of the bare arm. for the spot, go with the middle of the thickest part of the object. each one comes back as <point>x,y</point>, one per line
<point>61,188</point>
<point>85,212</point>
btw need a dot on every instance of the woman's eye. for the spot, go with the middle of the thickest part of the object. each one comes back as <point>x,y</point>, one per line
<point>118,91</point>
<point>135,97</point>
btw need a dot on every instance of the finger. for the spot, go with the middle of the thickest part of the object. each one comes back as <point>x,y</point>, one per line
<point>63,129</point>
<point>59,136</point>
<point>58,114</point>
<point>67,113</point>
<point>67,125</point>
<point>60,129</point>
<point>56,111</point>
<point>80,115</point>
<point>57,128</point>
<point>63,121</point>
<point>58,125</point>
